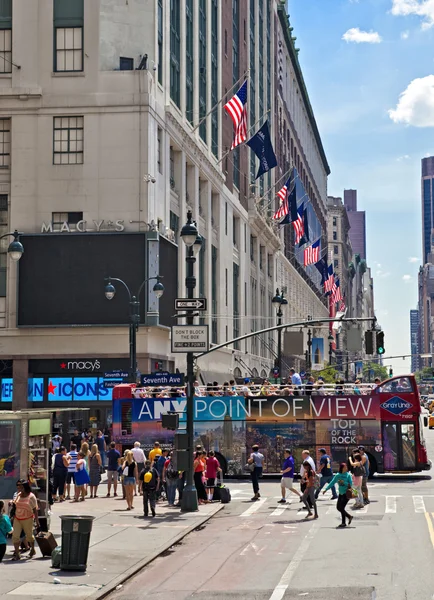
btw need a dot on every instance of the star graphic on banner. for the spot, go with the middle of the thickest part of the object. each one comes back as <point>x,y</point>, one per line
<point>63,365</point>
<point>51,388</point>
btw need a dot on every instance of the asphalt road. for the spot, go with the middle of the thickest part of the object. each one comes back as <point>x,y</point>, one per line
<point>266,551</point>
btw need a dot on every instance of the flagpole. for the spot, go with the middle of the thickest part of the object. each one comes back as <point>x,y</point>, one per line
<point>244,143</point>
<point>244,76</point>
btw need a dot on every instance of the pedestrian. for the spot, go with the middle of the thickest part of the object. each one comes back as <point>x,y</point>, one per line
<point>140,458</point>
<point>309,489</point>
<point>56,442</point>
<point>212,468</point>
<point>325,468</point>
<point>156,451</point>
<point>129,470</point>
<point>150,484</point>
<point>81,478</point>
<point>305,456</point>
<point>113,457</point>
<point>60,472</point>
<point>199,476</point>
<point>76,438</point>
<point>70,477</point>
<point>26,511</point>
<point>102,447</point>
<point>159,465</point>
<point>95,464</point>
<point>5,530</point>
<point>170,477</point>
<point>287,481</point>
<point>180,487</point>
<point>345,485</point>
<point>256,461</point>
<point>365,476</point>
<point>358,471</point>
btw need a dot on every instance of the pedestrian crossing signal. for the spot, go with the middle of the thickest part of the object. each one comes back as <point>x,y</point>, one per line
<point>369,342</point>
<point>380,342</point>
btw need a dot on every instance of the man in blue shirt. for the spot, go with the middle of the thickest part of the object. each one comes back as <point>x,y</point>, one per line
<point>287,481</point>
<point>296,381</point>
<point>325,468</point>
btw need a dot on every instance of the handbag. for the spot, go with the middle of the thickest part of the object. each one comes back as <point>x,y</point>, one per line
<point>250,467</point>
<point>349,492</point>
<point>82,477</point>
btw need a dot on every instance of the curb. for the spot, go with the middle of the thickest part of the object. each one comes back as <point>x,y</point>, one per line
<point>111,587</point>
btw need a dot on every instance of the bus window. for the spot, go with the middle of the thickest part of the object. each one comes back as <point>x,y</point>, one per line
<point>126,418</point>
<point>401,385</point>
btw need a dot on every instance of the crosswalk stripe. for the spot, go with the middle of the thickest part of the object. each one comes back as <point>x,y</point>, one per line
<point>279,511</point>
<point>252,509</point>
<point>391,504</point>
<point>419,504</point>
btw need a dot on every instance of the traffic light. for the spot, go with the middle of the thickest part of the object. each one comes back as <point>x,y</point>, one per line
<point>369,342</point>
<point>390,372</point>
<point>380,342</point>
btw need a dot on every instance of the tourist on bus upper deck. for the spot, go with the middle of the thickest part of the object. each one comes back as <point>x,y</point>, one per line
<point>308,388</point>
<point>356,390</point>
<point>295,377</point>
<point>319,388</point>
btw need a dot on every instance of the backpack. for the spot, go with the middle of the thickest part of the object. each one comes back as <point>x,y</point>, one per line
<point>171,472</point>
<point>359,471</point>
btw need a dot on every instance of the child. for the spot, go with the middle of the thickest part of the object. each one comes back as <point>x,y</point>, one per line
<point>5,529</point>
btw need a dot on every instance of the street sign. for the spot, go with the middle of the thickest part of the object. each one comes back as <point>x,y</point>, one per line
<point>190,338</point>
<point>162,378</point>
<point>190,304</point>
<point>117,374</point>
<point>111,383</point>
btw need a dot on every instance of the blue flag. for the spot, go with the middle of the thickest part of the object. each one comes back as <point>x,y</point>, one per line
<point>305,237</point>
<point>322,267</point>
<point>261,145</point>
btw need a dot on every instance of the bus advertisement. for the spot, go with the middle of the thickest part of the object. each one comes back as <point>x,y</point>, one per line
<point>385,420</point>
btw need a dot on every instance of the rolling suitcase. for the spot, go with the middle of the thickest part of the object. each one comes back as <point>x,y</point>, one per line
<point>221,492</point>
<point>46,542</point>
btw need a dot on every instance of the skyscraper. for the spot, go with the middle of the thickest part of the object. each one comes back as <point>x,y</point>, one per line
<point>414,340</point>
<point>357,220</point>
<point>427,205</point>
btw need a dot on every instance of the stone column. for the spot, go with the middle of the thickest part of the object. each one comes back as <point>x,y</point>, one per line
<point>20,370</point>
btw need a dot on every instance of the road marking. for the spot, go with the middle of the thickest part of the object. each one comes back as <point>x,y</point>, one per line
<point>252,509</point>
<point>430,528</point>
<point>285,580</point>
<point>279,511</point>
<point>419,504</point>
<point>254,547</point>
<point>391,504</point>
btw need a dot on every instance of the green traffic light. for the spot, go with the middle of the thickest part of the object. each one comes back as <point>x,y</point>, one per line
<point>380,350</point>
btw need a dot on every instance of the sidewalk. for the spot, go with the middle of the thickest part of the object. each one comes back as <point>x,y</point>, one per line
<point>122,542</point>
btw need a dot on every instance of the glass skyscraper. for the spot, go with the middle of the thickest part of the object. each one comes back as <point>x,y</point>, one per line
<point>427,205</point>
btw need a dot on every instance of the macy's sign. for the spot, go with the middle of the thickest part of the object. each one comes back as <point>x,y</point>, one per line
<point>81,365</point>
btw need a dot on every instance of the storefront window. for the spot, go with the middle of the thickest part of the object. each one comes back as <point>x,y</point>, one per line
<point>10,443</point>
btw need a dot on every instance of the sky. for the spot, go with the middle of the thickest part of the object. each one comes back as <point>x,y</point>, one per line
<point>369,71</point>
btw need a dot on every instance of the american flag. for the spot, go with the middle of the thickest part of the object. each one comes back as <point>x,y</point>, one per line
<point>311,254</point>
<point>329,282</point>
<point>299,224</point>
<point>237,110</point>
<point>336,294</point>
<point>342,306</point>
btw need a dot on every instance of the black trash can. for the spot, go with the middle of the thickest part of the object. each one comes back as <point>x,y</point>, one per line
<point>76,532</point>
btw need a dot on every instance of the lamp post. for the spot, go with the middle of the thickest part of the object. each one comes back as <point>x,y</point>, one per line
<point>134,316</point>
<point>278,301</point>
<point>15,248</point>
<point>331,340</point>
<point>309,350</point>
<point>193,241</point>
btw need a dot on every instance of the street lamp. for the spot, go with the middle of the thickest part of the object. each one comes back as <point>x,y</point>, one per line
<point>278,302</point>
<point>134,305</point>
<point>331,339</point>
<point>193,241</point>
<point>15,249</point>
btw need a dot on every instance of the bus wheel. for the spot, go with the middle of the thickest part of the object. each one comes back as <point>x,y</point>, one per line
<point>372,465</point>
<point>222,461</point>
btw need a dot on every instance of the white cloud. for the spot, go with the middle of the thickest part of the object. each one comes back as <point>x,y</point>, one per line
<point>407,278</point>
<point>416,104</point>
<point>413,259</point>
<point>404,157</point>
<point>382,274</point>
<point>421,8</point>
<point>405,35</point>
<point>360,37</point>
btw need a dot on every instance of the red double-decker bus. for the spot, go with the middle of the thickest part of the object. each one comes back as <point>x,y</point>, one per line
<point>386,420</point>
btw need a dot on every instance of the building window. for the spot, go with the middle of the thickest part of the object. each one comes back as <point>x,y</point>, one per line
<point>335,221</point>
<point>58,219</point>
<point>126,64</point>
<point>226,42</point>
<point>68,35</point>
<point>189,60</point>
<point>235,231</point>
<point>245,237</point>
<point>235,41</point>
<point>3,249</point>
<point>335,235</point>
<point>214,300</point>
<point>252,248</point>
<point>226,218</point>
<point>336,263</point>
<point>236,303</point>
<point>236,165</point>
<point>214,77</point>
<point>261,257</point>
<point>159,149</point>
<point>202,274</point>
<point>202,68</point>
<point>226,287</point>
<point>175,51</point>
<point>336,249</point>
<point>160,41</point>
<point>5,143</point>
<point>270,265</point>
<point>5,50</point>
<point>68,141</point>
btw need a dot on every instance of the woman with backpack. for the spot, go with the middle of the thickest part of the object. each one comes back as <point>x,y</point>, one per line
<point>309,478</point>
<point>358,471</point>
<point>170,477</point>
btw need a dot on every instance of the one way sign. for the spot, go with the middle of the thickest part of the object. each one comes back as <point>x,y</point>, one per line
<point>190,304</point>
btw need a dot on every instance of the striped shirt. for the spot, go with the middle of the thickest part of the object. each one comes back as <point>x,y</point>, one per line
<point>73,455</point>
